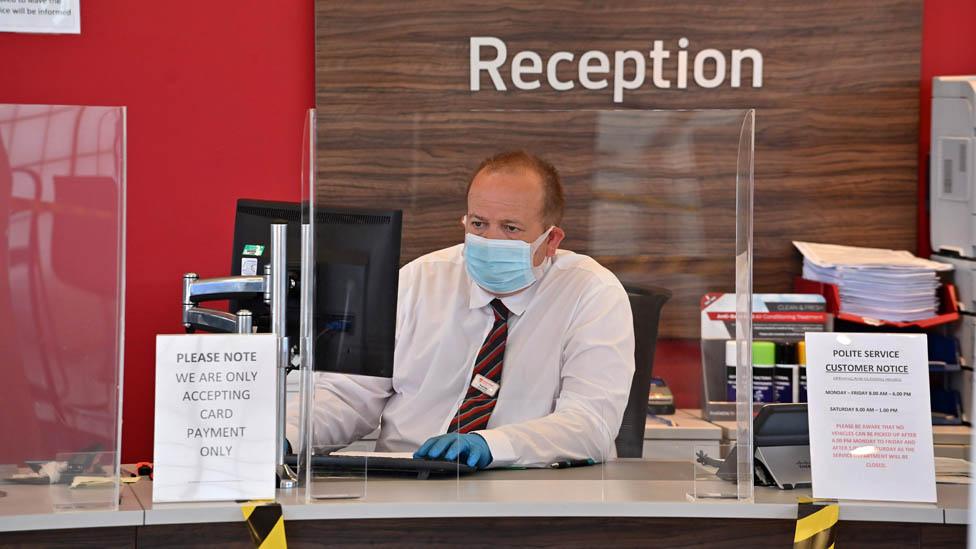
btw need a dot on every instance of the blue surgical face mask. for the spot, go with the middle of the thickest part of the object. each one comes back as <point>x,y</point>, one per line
<point>502,266</point>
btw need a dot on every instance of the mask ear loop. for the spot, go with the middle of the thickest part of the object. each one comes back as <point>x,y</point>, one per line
<point>539,243</point>
<point>544,237</point>
<point>540,270</point>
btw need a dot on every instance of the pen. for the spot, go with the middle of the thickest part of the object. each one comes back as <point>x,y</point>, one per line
<point>664,420</point>
<point>572,463</point>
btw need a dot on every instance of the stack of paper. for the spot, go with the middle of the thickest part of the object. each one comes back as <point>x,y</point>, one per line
<point>876,283</point>
<point>953,471</point>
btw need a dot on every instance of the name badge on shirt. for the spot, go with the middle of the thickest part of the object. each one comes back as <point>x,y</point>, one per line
<point>485,385</point>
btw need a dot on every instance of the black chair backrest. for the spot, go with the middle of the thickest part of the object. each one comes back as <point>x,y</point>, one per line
<point>645,304</point>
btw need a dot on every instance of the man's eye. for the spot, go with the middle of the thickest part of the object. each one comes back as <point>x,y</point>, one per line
<point>511,228</point>
<point>477,224</point>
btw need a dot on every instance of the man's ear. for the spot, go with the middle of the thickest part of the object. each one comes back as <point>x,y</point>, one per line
<point>556,236</point>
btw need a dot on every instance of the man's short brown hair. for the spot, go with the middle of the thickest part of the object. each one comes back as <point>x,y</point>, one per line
<point>553,203</point>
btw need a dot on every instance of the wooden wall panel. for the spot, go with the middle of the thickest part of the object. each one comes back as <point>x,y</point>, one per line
<point>836,144</point>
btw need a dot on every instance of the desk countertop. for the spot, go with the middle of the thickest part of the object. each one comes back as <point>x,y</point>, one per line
<point>626,488</point>
<point>29,507</point>
<point>685,426</point>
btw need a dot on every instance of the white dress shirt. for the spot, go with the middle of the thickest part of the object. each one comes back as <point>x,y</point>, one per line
<point>569,361</point>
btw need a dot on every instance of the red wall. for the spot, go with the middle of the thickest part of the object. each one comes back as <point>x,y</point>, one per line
<point>216,94</point>
<point>948,48</point>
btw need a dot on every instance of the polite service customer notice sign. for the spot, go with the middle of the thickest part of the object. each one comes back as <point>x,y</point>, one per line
<point>870,418</point>
<point>215,417</point>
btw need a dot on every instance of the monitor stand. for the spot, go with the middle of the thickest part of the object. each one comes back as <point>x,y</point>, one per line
<point>787,467</point>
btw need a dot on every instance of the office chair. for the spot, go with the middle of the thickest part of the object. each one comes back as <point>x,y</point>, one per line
<point>645,303</point>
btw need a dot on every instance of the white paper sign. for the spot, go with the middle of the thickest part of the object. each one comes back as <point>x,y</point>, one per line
<point>215,417</point>
<point>870,418</point>
<point>41,16</point>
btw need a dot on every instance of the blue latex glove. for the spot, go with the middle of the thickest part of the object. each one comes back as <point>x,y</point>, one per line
<point>468,448</point>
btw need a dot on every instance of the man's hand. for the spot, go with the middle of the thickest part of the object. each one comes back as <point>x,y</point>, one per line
<point>469,448</point>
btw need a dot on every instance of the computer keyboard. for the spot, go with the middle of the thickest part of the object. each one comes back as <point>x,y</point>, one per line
<point>376,463</point>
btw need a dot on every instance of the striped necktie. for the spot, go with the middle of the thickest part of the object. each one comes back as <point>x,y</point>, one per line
<point>476,407</point>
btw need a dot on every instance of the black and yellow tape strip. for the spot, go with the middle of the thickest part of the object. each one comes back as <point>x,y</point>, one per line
<point>266,524</point>
<point>816,526</point>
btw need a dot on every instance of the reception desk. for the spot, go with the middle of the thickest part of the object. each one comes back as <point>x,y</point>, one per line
<point>627,502</point>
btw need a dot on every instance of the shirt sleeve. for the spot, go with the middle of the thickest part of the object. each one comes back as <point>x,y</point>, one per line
<point>346,407</point>
<point>597,370</point>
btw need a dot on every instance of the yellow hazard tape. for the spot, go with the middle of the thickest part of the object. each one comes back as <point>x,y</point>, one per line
<point>816,530</point>
<point>266,524</point>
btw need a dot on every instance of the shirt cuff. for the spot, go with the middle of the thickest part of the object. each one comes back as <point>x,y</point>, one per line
<point>502,453</point>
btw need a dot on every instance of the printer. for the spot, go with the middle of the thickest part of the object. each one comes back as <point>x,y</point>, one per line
<point>952,174</point>
<point>952,203</point>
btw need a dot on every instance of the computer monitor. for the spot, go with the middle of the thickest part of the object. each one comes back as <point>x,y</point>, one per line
<point>781,425</point>
<point>357,260</point>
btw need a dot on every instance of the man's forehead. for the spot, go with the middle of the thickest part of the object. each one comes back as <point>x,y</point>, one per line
<point>504,197</point>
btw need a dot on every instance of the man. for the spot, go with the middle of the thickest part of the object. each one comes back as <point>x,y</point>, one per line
<point>509,351</point>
